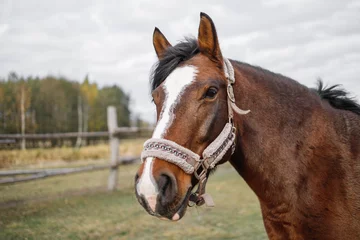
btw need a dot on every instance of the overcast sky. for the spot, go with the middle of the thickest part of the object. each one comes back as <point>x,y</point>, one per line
<point>112,40</point>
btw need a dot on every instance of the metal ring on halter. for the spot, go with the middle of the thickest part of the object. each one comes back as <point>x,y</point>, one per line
<point>203,171</point>
<point>190,202</point>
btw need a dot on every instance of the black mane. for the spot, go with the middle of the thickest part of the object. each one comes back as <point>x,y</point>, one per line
<point>338,97</point>
<point>173,56</point>
<point>186,49</point>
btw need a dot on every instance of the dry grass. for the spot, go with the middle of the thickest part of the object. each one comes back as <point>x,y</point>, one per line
<point>18,158</point>
<point>57,213</point>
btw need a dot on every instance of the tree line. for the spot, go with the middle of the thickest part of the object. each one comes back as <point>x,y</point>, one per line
<point>56,104</point>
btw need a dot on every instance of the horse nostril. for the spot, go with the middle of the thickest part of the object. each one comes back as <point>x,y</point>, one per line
<point>136,177</point>
<point>167,188</point>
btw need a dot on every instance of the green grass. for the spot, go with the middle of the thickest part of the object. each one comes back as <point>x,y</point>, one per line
<point>78,207</point>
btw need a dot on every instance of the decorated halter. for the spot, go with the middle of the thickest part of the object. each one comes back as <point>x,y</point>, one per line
<point>192,163</point>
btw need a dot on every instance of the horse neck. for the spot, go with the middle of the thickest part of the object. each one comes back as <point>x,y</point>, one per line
<point>273,138</point>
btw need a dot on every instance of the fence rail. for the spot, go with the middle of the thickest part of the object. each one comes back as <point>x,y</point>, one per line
<point>54,135</point>
<point>11,176</point>
<point>118,132</point>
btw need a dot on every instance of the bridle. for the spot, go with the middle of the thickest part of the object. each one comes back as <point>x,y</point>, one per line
<point>192,163</point>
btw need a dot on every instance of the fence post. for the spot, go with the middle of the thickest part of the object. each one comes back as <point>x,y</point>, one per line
<point>114,147</point>
<point>22,108</point>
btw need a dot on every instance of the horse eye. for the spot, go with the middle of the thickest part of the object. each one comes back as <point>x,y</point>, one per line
<point>211,93</point>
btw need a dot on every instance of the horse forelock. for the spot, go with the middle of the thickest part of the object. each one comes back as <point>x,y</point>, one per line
<point>172,58</point>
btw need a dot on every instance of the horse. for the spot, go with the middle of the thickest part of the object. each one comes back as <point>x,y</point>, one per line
<point>297,148</point>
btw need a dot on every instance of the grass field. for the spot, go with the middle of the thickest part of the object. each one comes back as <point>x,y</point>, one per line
<point>79,207</point>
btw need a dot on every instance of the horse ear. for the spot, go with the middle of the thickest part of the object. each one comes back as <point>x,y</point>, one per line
<point>160,43</point>
<point>207,38</point>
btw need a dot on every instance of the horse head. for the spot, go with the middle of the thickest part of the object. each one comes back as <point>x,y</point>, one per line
<point>194,132</point>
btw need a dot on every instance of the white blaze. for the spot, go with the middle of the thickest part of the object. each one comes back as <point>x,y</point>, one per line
<point>174,86</point>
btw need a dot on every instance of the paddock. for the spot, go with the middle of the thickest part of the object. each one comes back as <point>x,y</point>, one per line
<point>79,207</point>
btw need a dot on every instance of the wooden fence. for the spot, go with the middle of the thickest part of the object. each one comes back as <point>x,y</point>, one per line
<point>14,141</point>
<point>114,133</point>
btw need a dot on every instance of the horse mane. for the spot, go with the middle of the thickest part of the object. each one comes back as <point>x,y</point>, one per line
<point>172,57</point>
<point>337,97</point>
<point>187,48</point>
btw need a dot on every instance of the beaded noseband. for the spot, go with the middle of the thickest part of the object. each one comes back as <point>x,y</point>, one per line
<point>192,163</point>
